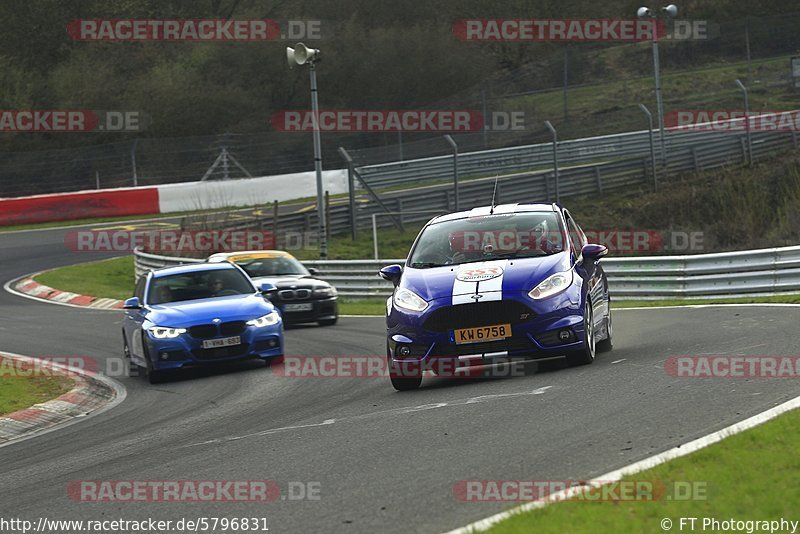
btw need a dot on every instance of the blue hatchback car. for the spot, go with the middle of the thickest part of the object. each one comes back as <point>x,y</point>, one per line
<point>515,281</point>
<point>199,314</point>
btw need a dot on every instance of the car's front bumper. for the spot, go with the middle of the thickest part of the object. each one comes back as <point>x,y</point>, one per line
<point>322,309</point>
<point>185,350</point>
<point>535,336</point>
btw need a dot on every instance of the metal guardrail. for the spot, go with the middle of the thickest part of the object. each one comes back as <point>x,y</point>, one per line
<point>586,166</point>
<point>615,147</point>
<point>728,274</point>
<point>144,262</point>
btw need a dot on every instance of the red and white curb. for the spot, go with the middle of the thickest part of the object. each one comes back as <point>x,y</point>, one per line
<point>92,395</point>
<point>28,287</point>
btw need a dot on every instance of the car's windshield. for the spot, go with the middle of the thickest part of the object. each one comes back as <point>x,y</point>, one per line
<point>198,285</point>
<point>514,235</point>
<point>271,266</point>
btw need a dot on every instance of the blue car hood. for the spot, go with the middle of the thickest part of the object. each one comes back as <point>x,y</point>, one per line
<point>519,274</point>
<point>204,311</point>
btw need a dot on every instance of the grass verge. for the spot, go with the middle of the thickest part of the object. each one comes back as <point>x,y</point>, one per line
<point>17,393</point>
<point>107,278</point>
<point>748,476</point>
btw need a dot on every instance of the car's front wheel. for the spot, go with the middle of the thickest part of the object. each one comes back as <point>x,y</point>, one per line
<point>403,377</point>
<point>607,344</point>
<point>154,376</point>
<point>585,354</point>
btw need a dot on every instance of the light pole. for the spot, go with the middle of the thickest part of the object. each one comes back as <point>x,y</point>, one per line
<point>645,12</point>
<point>300,55</point>
<point>652,149</point>
<point>747,122</point>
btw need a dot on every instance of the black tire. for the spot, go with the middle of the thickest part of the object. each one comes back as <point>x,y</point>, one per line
<point>328,322</point>
<point>275,360</point>
<point>585,355</point>
<point>608,343</point>
<point>154,376</point>
<point>403,380</point>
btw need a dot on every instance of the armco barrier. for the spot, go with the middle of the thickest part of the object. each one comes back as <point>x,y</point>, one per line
<point>725,274</point>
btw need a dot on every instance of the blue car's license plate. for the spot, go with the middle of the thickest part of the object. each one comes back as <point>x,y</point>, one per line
<point>482,333</point>
<point>224,342</point>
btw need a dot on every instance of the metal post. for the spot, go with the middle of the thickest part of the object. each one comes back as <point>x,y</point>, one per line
<point>485,119</point>
<point>555,157</point>
<point>374,237</point>
<point>659,101</point>
<point>225,174</point>
<point>566,72</point>
<point>747,122</point>
<point>351,192</point>
<point>747,46</point>
<point>322,227</point>
<point>455,168</point>
<point>400,143</point>
<point>97,178</point>
<point>652,145</point>
<point>133,163</point>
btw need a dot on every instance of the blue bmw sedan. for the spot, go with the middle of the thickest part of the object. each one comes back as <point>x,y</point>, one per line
<point>515,281</point>
<point>199,314</point>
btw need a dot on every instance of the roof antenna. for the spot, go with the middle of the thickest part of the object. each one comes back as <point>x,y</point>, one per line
<point>494,193</point>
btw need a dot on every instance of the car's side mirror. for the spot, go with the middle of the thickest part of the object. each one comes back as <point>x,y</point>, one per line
<point>392,273</point>
<point>313,270</point>
<point>132,304</point>
<point>592,252</point>
<point>268,289</point>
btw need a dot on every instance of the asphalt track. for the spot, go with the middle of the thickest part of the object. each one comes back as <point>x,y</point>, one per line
<point>384,461</point>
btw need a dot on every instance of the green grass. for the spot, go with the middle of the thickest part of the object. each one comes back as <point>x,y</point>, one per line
<point>108,278</point>
<point>17,393</point>
<point>748,476</point>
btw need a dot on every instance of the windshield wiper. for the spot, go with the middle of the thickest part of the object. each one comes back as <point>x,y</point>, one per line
<point>426,264</point>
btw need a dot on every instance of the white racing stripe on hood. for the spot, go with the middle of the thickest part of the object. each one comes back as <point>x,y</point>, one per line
<point>462,291</point>
<point>491,289</point>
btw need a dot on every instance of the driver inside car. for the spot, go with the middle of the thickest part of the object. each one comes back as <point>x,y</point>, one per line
<point>215,285</point>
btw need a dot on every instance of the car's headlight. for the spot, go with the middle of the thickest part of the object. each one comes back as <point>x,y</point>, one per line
<point>329,291</point>
<point>552,285</point>
<point>265,320</point>
<point>163,332</point>
<point>404,298</point>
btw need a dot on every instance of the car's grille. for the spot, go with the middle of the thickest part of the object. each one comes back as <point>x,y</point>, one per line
<point>233,328</point>
<point>205,331</point>
<point>219,352</point>
<point>510,344</point>
<point>479,314</point>
<point>294,294</point>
